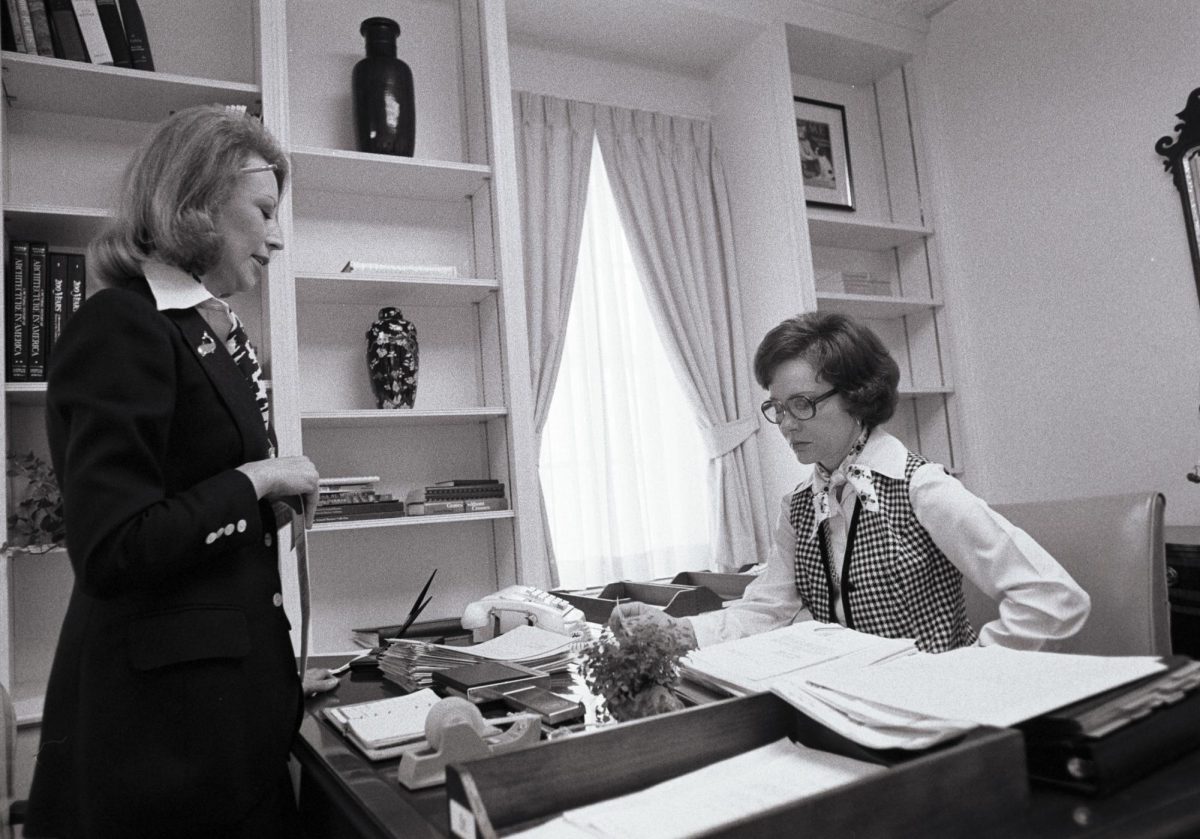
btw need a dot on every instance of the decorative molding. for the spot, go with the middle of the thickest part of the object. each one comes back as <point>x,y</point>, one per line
<point>1181,158</point>
<point>1174,148</point>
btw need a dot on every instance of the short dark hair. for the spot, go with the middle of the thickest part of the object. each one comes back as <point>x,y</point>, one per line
<point>844,353</point>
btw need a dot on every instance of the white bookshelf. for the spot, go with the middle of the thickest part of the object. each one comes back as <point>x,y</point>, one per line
<point>887,235</point>
<point>67,131</point>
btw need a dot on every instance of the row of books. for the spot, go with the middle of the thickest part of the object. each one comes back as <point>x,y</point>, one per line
<point>42,289</point>
<point>96,31</point>
<point>462,495</point>
<point>358,498</point>
<point>355,498</point>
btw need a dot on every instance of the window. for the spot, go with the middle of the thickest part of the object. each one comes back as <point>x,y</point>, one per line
<point>622,464</point>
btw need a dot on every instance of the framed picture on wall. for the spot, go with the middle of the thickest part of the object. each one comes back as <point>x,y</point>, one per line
<point>824,153</point>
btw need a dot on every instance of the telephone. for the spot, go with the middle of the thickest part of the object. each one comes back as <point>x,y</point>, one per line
<point>518,605</point>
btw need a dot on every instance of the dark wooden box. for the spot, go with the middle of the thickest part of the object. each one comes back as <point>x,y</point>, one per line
<point>955,790</point>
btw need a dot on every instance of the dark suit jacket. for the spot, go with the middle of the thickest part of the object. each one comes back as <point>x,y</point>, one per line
<point>173,697</point>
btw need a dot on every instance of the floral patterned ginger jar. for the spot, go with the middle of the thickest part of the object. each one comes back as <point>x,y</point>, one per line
<point>392,359</point>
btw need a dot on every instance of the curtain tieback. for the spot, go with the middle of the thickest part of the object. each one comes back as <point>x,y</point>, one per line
<point>721,439</point>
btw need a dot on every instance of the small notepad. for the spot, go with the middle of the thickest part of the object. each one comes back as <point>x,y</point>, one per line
<point>383,727</point>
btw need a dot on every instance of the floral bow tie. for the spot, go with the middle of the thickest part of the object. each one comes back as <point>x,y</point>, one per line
<point>858,477</point>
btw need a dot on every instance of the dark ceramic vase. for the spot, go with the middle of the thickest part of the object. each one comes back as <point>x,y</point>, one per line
<point>392,359</point>
<point>385,119</point>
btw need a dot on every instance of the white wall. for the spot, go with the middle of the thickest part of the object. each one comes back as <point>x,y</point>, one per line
<point>588,79</point>
<point>1066,258</point>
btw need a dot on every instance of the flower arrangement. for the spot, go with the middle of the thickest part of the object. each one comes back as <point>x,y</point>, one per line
<point>36,523</point>
<point>634,670</point>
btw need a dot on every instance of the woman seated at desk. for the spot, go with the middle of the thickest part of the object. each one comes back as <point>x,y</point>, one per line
<point>878,538</point>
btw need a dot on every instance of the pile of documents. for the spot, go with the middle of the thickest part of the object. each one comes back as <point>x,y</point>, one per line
<point>882,693</point>
<point>716,796</point>
<point>411,663</point>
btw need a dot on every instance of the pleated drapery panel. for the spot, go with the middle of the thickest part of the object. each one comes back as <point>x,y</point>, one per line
<point>670,191</point>
<point>554,151</point>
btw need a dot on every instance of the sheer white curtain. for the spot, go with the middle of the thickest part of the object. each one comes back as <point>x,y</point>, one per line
<point>622,461</point>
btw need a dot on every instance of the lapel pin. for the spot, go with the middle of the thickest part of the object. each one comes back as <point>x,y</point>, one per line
<point>207,345</point>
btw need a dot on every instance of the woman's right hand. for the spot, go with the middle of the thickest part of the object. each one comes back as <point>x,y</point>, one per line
<point>278,477</point>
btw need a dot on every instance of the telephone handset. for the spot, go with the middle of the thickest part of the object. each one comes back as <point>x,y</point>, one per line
<point>518,606</point>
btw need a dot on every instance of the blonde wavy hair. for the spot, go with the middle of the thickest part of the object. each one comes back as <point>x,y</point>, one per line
<point>173,189</point>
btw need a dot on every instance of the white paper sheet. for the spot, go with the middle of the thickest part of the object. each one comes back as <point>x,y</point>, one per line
<point>522,643</point>
<point>752,662</point>
<point>719,794</point>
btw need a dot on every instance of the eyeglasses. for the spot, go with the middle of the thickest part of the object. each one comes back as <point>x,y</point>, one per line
<point>798,407</point>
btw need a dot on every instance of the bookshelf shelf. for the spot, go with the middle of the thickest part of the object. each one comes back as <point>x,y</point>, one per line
<point>829,229</point>
<point>25,393</point>
<point>405,521</point>
<point>383,290</point>
<point>68,227</point>
<point>54,85</point>
<point>383,418</point>
<point>331,170</point>
<point>874,306</point>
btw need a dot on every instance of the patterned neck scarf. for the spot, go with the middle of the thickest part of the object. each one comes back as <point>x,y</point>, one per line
<point>848,472</point>
<point>239,347</point>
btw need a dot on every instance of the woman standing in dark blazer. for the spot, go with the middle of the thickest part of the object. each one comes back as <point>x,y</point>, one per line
<point>174,697</point>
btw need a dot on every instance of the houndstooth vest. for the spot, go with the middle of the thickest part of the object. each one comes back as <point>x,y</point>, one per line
<point>897,583</point>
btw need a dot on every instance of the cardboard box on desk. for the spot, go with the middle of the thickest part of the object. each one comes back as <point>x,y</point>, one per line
<point>677,601</point>
<point>966,785</point>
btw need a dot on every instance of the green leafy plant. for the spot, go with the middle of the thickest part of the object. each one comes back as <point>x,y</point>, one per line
<point>36,523</point>
<point>634,670</point>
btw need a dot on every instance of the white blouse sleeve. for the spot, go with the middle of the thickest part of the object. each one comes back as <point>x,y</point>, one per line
<point>1038,600</point>
<point>771,600</point>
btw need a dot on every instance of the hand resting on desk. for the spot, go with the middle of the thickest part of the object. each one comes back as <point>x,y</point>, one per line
<point>626,616</point>
<point>318,680</point>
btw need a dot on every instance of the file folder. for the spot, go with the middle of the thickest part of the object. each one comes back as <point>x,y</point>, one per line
<point>1102,744</point>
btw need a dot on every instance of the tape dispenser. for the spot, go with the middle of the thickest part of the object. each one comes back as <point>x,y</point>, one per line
<point>455,730</point>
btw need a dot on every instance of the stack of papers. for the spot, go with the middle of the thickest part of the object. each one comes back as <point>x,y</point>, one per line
<point>713,797</point>
<point>785,661</point>
<point>987,685</point>
<point>884,694</point>
<point>412,663</point>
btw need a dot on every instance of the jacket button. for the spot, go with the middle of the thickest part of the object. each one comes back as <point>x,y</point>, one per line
<point>277,599</point>
<point>241,526</point>
<point>267,540</point>
<point>210,538</point>
<point>229,530</point>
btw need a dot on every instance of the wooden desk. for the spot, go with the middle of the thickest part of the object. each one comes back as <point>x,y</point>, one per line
<point>343,794</point>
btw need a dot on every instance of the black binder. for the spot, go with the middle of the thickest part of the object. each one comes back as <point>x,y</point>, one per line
<point>1104,743</point>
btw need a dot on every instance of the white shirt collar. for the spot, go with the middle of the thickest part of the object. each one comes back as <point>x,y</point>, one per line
<point>173,288</point>
<point>883,454</point>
